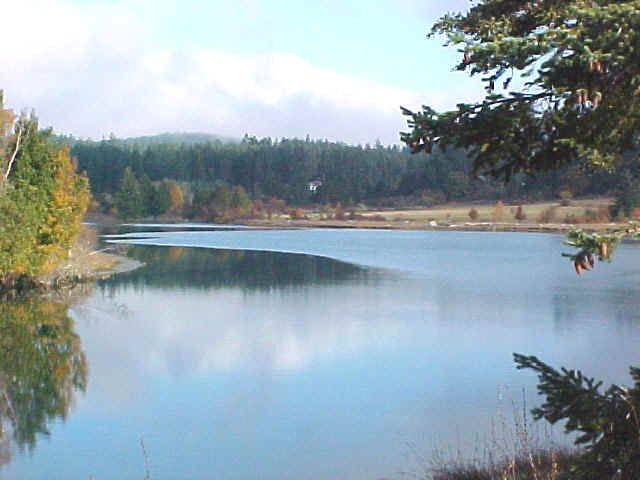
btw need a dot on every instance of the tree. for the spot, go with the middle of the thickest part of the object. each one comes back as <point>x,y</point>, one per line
<point>147,192</point>
<point>42,200</point>
<point>608,423</point>
<point>627,193</point>
<point>580,103</point>
<point>580,100</point>
<point>10,137</point>
<point>41,366</point>
<point>176,197</point>
<point>128,199</point>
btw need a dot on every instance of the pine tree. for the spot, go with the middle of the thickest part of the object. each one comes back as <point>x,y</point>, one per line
<point>580,100</point>
<point>128,198</point>
<point>607,423</point>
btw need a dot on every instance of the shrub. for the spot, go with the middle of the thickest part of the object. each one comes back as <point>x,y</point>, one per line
<point>574,219</point>
<point>601,215</point>
<point>296,213</point>
<point>548,215</point>
<point>520,215</point>
<point>498,211</point>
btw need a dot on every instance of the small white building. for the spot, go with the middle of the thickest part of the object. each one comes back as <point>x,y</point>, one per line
<point>313,186</point>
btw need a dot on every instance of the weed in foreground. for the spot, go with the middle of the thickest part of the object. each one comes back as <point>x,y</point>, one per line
<point>515,451</point>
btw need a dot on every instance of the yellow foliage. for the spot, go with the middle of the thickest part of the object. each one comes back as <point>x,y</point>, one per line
<point>69,200</point>
<point>176,197</point>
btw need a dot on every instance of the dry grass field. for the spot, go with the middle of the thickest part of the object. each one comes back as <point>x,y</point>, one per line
<point>487,212</point>
<point>543,216</point>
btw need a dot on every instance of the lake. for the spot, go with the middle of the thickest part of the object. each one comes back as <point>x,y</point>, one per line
<point>240,353</point>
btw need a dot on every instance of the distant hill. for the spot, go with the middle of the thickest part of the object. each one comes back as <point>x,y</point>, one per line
<point>174,138</point>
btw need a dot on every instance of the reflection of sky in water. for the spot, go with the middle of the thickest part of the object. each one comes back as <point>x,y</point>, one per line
<point>330,379</point>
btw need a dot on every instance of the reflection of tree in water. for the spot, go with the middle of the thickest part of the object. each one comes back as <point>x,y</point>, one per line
<point>41,365</point>
<point>570,308</point>
<point>251,270</point>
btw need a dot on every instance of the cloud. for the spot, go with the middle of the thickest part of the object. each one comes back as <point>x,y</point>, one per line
<point>91,71</point>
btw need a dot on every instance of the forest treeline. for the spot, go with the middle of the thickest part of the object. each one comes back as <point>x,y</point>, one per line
<point>206,179</point>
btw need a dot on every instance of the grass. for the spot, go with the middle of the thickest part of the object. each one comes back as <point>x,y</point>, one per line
<point>459,213</point>
<point>546,464</point>
<point>542,216</point>
<point>515,451</point>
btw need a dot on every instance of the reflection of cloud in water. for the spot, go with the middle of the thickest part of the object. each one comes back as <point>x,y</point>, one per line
<point>232,326</point>
<point>227,329</point>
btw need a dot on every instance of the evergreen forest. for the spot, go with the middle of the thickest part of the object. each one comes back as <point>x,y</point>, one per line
<point>211,180</point>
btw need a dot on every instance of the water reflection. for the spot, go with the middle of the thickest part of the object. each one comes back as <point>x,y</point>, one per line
<point>202,268</point>
<point>42,365</point>
<point>255,359</point>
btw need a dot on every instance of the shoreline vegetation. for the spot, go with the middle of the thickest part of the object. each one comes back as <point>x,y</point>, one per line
<point>548,217</point>
<point>84,264</point>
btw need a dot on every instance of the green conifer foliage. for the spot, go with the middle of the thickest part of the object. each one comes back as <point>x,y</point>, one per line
<point>128,200</point>
<point>575,93</point>
<point>607,423</point>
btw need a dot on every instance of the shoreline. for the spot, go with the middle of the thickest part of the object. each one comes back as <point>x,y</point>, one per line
<point>375,224</point>
<point>540,217</point>
<point>83,266</point>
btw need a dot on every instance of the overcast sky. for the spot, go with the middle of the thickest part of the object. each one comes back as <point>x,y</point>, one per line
<point>283,68</point>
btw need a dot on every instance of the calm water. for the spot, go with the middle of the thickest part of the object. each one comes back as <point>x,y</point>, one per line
<point>300,354</point>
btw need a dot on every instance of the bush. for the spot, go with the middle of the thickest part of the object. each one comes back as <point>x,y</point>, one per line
<point>498,211</point>
<point>296,213</point>
<point>601,215</point>
<point>574,219</point>
<point>520,215</point>
<point>548,215</point>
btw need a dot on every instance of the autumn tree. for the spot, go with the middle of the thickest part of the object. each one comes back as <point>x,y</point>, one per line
<point>10,136</point>
<point>42,365</point>
<point>42,199</point>
<point>176,197</point>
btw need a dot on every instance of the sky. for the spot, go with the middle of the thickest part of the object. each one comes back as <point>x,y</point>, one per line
<point>336,70</point>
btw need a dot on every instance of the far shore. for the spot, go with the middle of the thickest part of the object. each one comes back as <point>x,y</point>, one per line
<point>546,217</point>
